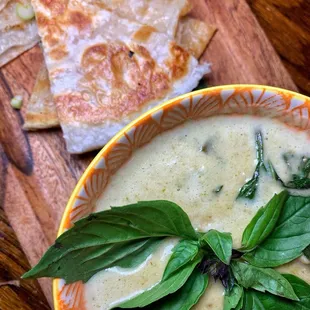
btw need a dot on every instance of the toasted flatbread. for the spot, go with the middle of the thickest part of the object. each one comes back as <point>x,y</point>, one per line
<point>3,4</point>
<point>194,35</point>
<point>105,70</point>
<point>163,15</point>
<point>16,35</point>
<point>41,110</point>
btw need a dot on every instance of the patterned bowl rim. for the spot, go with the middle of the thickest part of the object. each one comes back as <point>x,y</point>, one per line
<point>140,120</point>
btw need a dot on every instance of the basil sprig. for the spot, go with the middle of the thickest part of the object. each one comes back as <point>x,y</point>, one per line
<point>126,236</point>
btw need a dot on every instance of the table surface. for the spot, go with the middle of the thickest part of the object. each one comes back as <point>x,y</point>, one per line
<point>287,25</point>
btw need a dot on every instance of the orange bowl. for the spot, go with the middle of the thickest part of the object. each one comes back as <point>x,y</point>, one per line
<point>286,106</point>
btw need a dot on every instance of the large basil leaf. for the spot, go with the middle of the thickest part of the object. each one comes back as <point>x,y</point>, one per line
<point>163,288</point>
<point>183,252</point>
<point>82,264</point>
<point>262,279</point>
<point>220,243</point>
<point>187,296</point>
<point>233,299</point>
<point>248,190</point>
<point>288,239</point>
<point>263,222</point>
<point>258,301</point>
<point>99,231</point>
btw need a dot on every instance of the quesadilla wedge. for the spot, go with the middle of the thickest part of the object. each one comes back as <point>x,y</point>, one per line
<point>16,35</point>
<point>41,110</point>
<point>163,15</point>
<point>192,34</point>
<point>105,70</point>
<point>3,4</point>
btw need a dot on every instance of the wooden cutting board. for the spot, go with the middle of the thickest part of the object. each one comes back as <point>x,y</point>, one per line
<point>37,173</point>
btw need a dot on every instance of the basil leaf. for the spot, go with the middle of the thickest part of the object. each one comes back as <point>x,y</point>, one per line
<point>183,252</point>
<point>164,287</point>
<point>83,264</point>
<point>262,279</point>
<point>263,222</point>
<point>232,299</point>
<point>144,219</point>
<point>220,243</point>
<point>248,190</point>
<point>240,303</point>
<point>141,254</point>
<point>254,300</point>
<point>187,296</point>
<point>288,239</point>
<point>306,252</point>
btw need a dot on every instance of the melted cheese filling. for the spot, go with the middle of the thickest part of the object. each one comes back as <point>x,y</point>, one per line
<point>186,165</point>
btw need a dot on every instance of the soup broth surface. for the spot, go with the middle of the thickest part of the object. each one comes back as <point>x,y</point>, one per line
<point>187,165</point>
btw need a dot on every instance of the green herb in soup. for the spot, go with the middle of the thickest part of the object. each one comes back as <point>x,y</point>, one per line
<point>218,189</point>
<point>299,180</point>
<point>276,235</point>
<point>248,190</point>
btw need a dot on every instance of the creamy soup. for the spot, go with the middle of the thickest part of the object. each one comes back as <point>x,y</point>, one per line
<point>186,165</point>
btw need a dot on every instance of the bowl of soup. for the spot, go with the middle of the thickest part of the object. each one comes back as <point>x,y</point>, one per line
<point>197,150</point>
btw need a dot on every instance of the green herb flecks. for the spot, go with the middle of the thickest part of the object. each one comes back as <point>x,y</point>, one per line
<point>218,189</point>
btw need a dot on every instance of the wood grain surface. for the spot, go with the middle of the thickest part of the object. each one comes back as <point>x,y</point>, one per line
<point>287,25</point>
<point>38,175</point>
